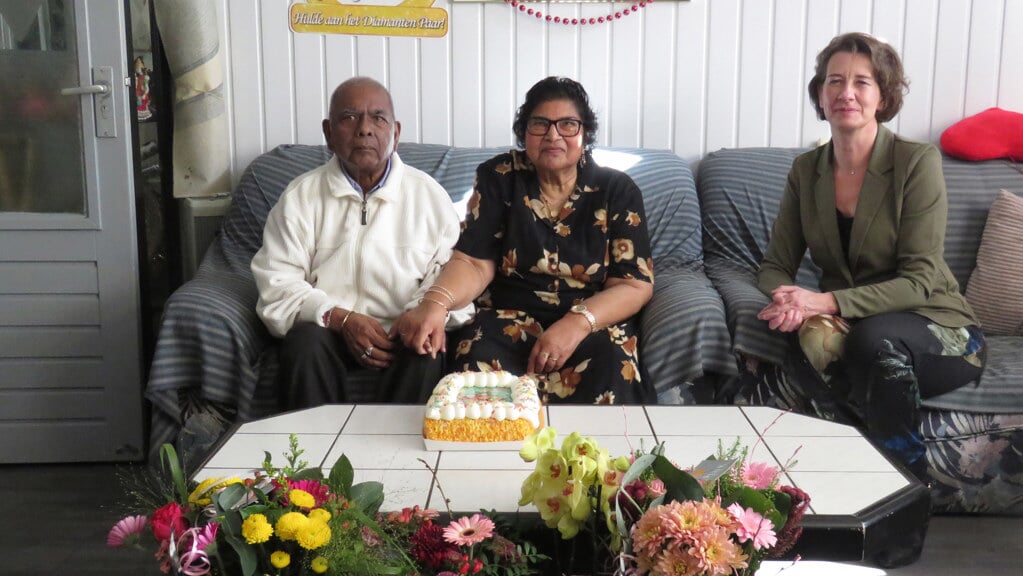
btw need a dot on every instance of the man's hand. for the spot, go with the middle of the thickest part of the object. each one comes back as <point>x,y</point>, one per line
<point>367,341</point>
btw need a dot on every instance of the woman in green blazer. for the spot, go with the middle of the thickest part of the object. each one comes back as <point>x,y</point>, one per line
<point>889,325</point>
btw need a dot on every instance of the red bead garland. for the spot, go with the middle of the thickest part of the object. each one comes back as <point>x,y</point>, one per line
<point>577,21</point>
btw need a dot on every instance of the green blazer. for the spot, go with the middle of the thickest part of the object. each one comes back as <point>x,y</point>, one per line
<point>896,248</point>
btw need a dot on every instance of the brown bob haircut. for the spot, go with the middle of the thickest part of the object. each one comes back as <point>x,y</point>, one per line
<point>891,81</point>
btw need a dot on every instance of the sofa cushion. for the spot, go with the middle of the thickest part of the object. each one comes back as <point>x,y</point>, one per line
<point>995,291</point>
<point>972,187</point>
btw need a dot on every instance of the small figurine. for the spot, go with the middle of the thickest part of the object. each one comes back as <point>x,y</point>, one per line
<point>142,99</point>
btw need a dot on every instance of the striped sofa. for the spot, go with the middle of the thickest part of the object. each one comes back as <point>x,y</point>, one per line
<point>974,435</point>
<point>215,363</point>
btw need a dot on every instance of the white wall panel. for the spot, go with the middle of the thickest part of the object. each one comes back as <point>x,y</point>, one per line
<point>786,85</point>
<point>594,73</point>
<point>690,81</point>
<point>1010,79</point>
<point>246,91</point>
<point>950,65</point>
<point>498,57</point>
<point>918,58</point>
<point>754,73</point>
<point>622,120</point>
<point>723,78</point>
<point>436,90</point>
<point>690,76</point>
<point>278,51</point>
<point>309,90</point>
<point>403,71</point>
<point>658,96</point>
<point>982,70</point>
<point>466,33</point>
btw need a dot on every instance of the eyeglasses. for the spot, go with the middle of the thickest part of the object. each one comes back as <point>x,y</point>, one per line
<point>540,126</point>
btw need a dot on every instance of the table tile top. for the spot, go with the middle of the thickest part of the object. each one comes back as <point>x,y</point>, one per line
<point>840,469</point>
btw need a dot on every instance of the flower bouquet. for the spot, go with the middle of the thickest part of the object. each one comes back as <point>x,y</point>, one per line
<point>290,520</point>
<point>725,516</point>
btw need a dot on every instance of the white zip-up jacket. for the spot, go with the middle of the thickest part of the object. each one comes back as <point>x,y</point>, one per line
<point>318,254</point>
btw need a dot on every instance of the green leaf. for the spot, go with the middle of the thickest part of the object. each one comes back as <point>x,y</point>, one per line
<point>308,474</point>
<point>232,496</point>
<point>342,475</point>
<point>169,457</point>
<point>749,498</point>
<point>641,465</point>
<point>367,496</point>
<point>678,484</point>
<point>246,555</point>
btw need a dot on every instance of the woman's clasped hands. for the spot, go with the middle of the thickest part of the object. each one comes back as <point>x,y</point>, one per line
<point>791,305</point>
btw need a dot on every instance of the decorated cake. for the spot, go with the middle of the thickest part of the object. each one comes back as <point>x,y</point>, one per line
<point>493,406</point>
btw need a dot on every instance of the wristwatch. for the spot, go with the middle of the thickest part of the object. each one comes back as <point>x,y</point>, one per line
<point>585,313</point>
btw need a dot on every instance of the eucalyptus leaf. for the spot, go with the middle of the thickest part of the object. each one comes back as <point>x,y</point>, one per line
<point>678,484</point>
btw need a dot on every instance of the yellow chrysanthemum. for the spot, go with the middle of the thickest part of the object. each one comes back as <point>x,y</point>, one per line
<point>256,529</point>
<point>319,514</point>
<point>314,534</point>
<point>301,498</point>
<point>289,525</point>
<point>320,565</point>
<point>280,559</point>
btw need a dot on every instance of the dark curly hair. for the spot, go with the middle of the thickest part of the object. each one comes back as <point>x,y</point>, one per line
<point>557,88</point>
<point>891,81</point>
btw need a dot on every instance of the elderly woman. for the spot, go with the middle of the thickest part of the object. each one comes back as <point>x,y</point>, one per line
<point>554,251</point>
<point>889,325</point>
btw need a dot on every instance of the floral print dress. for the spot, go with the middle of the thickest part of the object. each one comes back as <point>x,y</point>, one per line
<point>546,263</point>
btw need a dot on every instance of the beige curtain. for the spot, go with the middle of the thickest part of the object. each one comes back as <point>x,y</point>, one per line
<point>192,45</point>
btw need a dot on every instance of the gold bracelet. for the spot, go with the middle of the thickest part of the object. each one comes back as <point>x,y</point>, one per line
<point>443,292</point>
<point>345,320</point>
<point>435,301</point>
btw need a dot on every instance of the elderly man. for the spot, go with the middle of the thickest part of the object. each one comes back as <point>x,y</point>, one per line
<point>348,249</point>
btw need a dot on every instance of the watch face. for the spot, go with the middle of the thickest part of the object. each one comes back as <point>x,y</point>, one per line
<point>579,308</point>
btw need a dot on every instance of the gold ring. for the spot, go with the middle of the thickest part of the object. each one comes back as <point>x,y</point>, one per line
<point>554,358</point>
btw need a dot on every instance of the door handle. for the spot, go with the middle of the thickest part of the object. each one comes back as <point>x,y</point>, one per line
<point>93,89</point>
<point>103,101</point>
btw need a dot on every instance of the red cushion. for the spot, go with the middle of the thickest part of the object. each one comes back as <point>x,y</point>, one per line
<point>993,133</point>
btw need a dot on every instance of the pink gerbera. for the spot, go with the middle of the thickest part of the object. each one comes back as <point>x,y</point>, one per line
<point>759,475</point>
<point>319,490</point>
<point>467,531</point>
<point>753,526</point>
<point>126,531</point>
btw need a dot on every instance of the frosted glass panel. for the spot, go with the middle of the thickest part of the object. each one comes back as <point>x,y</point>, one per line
<point>41,162</point>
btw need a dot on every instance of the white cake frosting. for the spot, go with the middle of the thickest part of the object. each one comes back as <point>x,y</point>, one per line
<point>499,395</point>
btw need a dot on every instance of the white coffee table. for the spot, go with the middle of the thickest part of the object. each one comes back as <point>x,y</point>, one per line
<point>863,507</point>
